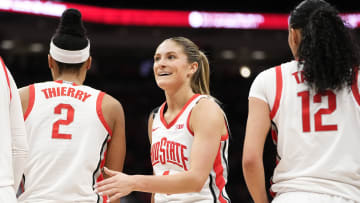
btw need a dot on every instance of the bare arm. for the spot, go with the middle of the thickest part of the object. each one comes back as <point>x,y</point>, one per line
<point>207,135</point>
<point>114,116</point>
<point>150,122</point>
<point>257,127</point>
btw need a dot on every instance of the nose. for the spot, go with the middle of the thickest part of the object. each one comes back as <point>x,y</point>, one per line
<point>160,63</point>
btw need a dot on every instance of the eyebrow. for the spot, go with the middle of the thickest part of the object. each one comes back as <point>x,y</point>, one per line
<point>167,53</point>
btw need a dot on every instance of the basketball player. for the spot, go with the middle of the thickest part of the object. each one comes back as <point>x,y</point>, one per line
<point>13,145</point>
<point>313,105</point>
<point>74,130</point>
<point>188,134</point>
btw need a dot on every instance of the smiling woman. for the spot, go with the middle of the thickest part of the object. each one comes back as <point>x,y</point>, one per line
<point>188,153</point>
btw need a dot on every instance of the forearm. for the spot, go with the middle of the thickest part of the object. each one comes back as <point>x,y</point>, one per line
<point>170,184</point>
<point>255,181</point>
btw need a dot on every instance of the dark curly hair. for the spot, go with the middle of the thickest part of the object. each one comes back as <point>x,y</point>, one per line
<point>328,52</point>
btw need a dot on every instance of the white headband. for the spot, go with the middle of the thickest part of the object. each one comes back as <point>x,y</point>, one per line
<point>66,56</point>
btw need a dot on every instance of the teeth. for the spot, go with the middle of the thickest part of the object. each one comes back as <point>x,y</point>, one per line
<point>163,74</point>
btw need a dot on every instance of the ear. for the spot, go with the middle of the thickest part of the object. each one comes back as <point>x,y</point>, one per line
<point>88,63</point>
<point>193,68</point>
<point>295,36</point>
<point>50,62</point>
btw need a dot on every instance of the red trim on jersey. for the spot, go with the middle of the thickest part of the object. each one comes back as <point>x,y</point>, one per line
<point>188,124</point>
<point>355,89</point>
<point>6,75</point>
<point>59,81</point>
<point>272,193</point>
<point>101,177</point>
<point>22,187</point>
<point>219,179</point>
<point>223,138</point>
<point>175,119</point>
<point>279,84</point>
<point>274,136</point>
<point>31,101</point>
<point>226,136</point>
<point>100,113</point>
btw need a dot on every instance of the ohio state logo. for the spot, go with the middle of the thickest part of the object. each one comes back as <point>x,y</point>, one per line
<point>167,151</point>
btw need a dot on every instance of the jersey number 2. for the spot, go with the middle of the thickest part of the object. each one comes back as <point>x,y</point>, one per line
<point>69,119</point>
<point>317,116</point>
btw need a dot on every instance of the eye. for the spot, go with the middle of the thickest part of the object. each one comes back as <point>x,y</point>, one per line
<point>171,57</point>
<point>156,58</point>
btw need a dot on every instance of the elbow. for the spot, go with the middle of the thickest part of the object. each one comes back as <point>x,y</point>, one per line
<point>197,183</point>
<point>251,162</point>
<point>198,186</point>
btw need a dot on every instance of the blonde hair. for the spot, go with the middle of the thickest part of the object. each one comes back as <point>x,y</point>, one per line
<point>200,81</point>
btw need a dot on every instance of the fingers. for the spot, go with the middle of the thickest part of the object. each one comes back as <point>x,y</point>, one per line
<point>107,192</point>
<point>105,189</point>
<point>110,172</point>
<point>116,196</point>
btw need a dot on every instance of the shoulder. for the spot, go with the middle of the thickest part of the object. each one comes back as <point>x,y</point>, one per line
<point>24,90</point>
<point>24,93</point>
<point>110,103</point>
<point>207,107</point>
<point>111,110</point>
<point>270,72</point>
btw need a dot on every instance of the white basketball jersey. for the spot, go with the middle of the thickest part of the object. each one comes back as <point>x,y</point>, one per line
<point>317,135</point>
<point>6,158</point>
<point>13,145</point>
<point>170,154</point>
<point>68,139</point>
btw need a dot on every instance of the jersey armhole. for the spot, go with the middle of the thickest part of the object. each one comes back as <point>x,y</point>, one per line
<point>100,113</point>
<point>279,85</point>
<point>31,101</point>
<point>355,88</point>
<point>154,112</point>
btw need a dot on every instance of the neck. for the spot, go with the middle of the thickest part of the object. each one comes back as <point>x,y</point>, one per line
<point>71,77</point>
<point>177,99</point>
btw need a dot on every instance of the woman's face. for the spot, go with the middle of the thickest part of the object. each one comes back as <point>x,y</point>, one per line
<point>171,66</point>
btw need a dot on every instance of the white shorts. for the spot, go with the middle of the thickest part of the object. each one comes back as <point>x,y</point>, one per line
<point>309,197</point>
<point>7,194</point>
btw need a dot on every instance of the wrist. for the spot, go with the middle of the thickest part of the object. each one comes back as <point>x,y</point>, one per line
<point>135,183</point>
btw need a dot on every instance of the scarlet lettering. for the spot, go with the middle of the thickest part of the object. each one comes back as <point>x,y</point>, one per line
<point>299,76</point>
<point>65,91</point>
<point>166,151</point>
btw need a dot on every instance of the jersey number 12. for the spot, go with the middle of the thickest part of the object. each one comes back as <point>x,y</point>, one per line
<point>305,99</point>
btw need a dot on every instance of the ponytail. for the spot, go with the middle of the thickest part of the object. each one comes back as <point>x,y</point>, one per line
<point>200,81</point>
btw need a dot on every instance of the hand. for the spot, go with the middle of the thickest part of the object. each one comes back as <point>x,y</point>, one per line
<point>116,186</point>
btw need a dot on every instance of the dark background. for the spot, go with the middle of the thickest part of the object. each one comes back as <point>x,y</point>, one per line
<point>122,67</point>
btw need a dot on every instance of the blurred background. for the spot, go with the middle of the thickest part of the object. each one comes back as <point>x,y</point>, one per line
<point>239,46</point>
